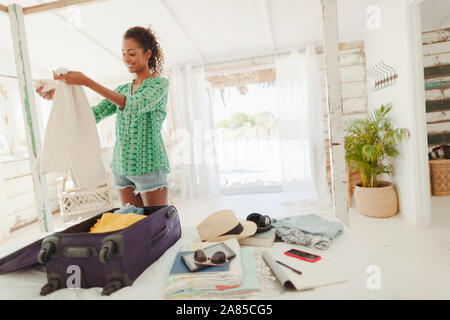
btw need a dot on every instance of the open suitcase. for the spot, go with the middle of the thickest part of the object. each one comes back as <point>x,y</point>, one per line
<point>76,258</point>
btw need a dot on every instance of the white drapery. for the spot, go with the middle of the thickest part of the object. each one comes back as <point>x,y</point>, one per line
<point>194,151</point>
<point>301,127</point>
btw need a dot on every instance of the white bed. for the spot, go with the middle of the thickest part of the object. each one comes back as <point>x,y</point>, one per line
<point>345,250</point>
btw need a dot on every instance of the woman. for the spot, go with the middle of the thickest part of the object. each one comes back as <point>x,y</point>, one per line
<point>140,164</point>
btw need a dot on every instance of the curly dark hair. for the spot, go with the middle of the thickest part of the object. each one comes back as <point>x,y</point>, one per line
<point>147,40</point>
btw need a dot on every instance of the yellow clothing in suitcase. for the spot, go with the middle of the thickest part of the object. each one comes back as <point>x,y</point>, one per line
<point>113,222</point>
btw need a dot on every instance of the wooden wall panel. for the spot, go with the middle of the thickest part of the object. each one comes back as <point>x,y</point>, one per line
<point>354,88</point>
<point>436,60</point>
<point>20,193</point>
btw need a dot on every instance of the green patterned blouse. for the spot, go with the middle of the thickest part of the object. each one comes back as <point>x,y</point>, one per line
<point>139,146</point>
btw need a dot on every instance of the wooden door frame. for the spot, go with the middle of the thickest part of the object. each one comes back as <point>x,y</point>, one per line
<point>336,130</point>
<point>418,112</point>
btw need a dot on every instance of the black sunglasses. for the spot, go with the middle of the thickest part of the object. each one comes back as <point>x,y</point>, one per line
<point>219,258</point>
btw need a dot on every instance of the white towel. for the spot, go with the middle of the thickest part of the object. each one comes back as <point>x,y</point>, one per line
<point>71,142</point>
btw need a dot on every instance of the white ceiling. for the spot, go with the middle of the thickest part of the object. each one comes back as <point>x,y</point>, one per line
<point>435,14</point>
<point>189,31</point>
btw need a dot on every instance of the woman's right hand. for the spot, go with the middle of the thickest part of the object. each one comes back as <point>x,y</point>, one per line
<point>48,95</point>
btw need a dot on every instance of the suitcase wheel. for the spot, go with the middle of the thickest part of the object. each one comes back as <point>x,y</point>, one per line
<point>51,286</point>
<point>46,252</point>
<point>171,212</point>
<point>107,251</point>
<point>112,287</point>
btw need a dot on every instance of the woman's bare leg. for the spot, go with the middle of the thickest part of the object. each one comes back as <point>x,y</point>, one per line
<point>157,197</point>
<point>127,196</point>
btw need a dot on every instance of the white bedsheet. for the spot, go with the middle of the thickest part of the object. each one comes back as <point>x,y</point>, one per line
<point>346,251</point>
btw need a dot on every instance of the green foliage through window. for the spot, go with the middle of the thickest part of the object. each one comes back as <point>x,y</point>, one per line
<point>261,120</point>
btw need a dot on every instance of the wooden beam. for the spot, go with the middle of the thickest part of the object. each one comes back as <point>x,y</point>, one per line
<point>437,85</point>
<point>336,130</point>
<point>438,105</point>
<point>23,68</point>
<point>436,36</point>
<point>55,5</point>
<point>437,139</point>
<point>267,26</point>
<point>351,45</point>
<point>181,27</point>
<point>437,71</point>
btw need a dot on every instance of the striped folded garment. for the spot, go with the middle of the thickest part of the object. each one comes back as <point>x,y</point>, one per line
<point>204,282</point>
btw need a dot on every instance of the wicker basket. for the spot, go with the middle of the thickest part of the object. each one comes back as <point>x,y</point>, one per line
<point>380,202</point>
<point>440,177</point>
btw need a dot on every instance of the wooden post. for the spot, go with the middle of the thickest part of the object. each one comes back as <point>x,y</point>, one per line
<point>23,68</point>
<point>336,130</point>
<point>55,5</point>
<point>421,169</point>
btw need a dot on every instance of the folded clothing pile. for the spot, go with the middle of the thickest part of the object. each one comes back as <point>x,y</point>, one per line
<point>128,208</point>
<point>120,219</point>
<point>113,222</point>
<point>308,230</point>
<point>204,282</point>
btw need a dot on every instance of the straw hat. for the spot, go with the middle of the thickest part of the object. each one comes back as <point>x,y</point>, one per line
<point>223,225</point>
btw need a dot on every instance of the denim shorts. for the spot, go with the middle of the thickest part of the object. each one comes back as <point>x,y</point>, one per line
<point>144,182</point>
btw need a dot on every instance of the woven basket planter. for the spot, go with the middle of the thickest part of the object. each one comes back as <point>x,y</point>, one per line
<point>380,202</point>
<point>440,177</point>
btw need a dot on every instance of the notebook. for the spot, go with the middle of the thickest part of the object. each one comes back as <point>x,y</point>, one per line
<point>320,273</point>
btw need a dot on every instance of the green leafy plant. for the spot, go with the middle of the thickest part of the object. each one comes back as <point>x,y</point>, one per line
<point>371,144</point>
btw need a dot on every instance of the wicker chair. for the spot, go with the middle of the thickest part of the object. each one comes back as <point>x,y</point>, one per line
<point>73,201</point>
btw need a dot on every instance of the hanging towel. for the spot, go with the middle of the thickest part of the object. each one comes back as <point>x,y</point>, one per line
<point>71,142</point>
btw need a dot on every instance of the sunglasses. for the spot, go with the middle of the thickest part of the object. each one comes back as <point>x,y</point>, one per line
<point>219,258</point>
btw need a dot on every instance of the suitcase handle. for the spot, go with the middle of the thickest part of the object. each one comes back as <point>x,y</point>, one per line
<point>80,252</point>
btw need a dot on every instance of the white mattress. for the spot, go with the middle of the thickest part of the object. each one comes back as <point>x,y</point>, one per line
<point>346,251</point>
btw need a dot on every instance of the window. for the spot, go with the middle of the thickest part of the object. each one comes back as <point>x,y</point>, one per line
<point>247,139</point>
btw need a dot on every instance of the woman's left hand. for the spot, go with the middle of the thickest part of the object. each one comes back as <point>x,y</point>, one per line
<point>72,78</point>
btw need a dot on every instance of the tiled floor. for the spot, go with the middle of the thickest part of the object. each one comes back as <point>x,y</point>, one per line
<point>414,263</point>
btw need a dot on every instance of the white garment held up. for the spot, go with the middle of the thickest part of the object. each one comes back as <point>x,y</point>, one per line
<point>71,142</point>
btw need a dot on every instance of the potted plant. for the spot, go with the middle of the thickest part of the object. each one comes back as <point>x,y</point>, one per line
<point>370,146</point>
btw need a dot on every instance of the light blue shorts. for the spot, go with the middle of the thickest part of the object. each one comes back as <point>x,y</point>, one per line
<point>150,181</point>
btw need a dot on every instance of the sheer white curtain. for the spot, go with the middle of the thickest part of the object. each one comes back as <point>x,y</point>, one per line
<point>301,127</point>
<point>321,192</point>
<point>194,151</point>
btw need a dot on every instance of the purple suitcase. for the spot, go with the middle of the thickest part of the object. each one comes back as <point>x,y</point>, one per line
<point>110,260</point>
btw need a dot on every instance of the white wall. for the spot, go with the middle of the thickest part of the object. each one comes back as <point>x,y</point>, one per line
<point>391,44</point>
